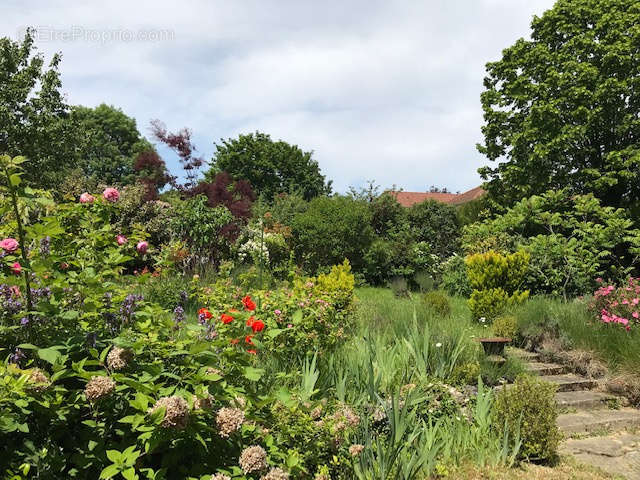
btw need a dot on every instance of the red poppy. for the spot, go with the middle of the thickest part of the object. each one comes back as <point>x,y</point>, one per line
<point>250,321</point>
<point>248,340</point>
<point>252,352</point>
<point>226,318</point>
<point>248,303</point>
<point>257,326</point>
<point>234,341</point>
<point>205,313</point>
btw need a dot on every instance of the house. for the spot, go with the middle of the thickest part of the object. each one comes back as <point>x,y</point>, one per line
<point>408,199</point>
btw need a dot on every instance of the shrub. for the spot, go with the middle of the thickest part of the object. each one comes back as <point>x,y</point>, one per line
<point>400,287</point>
<point>455,280</point>
<point>505,326</point>
<point>618,305</point>
<point>437,224</point>
<point>437,302</point>
<point>496,279</point>
<point>529,407</point>
<point>330,230</point>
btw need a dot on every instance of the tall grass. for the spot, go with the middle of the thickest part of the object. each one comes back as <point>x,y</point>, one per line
<point>577,328</point>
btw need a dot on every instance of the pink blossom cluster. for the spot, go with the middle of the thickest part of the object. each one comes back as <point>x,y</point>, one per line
<point>618,304</point>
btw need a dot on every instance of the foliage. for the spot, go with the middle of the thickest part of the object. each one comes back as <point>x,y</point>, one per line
<point>109,144</point>
<point>529,408</point>
<point>556,107</point>
<point>330,230</point>
<point>33,119</point>
<point>496,280</point>
<point>505,326</point>
<point>437,302</point>
<point>454,277</point>
<point>436,224</point>
<point>270,167</point>
<point>572,240</point>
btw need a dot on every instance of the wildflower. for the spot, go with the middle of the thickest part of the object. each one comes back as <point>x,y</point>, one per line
<point>45,246</point>
<point>17,356</point>
<point>38,380</point>
<point>248,303</point>
<point>204,315</point>
<point>226,319</point>
<point>119,358</point>
<point>438,345</point>
<point>128,306</point>
<point>277,312</point>
<point>248,340</point>
<point>142,247</point>
<point>316,413</point>
<point>250,321</point>
<point>289,325</point>
<point>111,194</point>
<point>356,449</point>
<point>220,476</point>
<point>252,352</point>
<point>276,474</point>
<point>86,198</point>
<point>253,459</point>
<point>178,315</point>
<point>16,268</point>
<point>121,239</point>
<point>176,412</point>
<point>257,326</point>
<point>24,321</point>
<point>213,371</point>
<point>99,387</point>
<point>229,420</point>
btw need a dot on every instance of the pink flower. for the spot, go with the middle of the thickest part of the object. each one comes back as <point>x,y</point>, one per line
<point>86,198</point>
<point>289,325</point>
<point>142,247</point>
<point>121,239</point>
<point>9,244</point>
<point>16,268</point>
<point>277,312</point>
<point>111,194</point>
<point>635,301</point>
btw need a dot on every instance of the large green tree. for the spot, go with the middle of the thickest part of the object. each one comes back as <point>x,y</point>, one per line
<point>271,167</point>
<point>33,113</point>
<point>563,108</point>
<point>108,143</point>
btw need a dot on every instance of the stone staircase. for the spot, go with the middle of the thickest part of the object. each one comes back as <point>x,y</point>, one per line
<point>598,429</point>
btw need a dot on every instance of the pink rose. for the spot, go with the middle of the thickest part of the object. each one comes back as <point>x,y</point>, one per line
<point>86,198</point>
<point>121,239</point>
<point>142,247</point>
<point>9,244</point>
<point>16,268</point>
<point>111,194</point>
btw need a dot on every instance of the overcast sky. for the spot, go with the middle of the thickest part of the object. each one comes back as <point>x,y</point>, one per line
<point>379,90</point>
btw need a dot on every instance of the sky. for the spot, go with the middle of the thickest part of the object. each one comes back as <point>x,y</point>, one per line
<point>387,91</point>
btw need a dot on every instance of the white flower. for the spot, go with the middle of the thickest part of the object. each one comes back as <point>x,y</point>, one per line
<point>438,345</point>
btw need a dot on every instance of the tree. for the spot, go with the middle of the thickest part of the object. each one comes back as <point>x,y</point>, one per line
<point>33,113</point>
<point>108,144</point>
<point>271,167</point>
<point>437,224</point>
<point>562,109</point>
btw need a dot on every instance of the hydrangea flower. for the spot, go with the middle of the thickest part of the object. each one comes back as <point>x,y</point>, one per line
<point>111,194</point>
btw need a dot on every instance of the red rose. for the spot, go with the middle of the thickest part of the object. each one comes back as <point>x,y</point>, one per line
<point>226,318</point>
<point>257,326</point>
<point>248,340</point>
<point>248,303</point>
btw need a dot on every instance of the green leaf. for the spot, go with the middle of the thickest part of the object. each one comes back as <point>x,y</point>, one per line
<point>114,455</point>
<point>15,179</point>
<point>49,355</point>
<point>110,471</point>
<point>253,374</point>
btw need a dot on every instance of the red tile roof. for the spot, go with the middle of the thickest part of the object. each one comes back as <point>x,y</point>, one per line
<point>408,199</point>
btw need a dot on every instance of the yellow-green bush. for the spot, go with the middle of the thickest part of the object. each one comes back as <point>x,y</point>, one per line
<point>529,408</point>
<point>496,279</point>
<point>339,282</point>
<point>505,326</point>
<point>437,302</point>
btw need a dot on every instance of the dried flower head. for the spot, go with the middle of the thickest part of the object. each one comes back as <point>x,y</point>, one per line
<point>203,403</point>
<point>220,476</point>
<point>355,449</point>
<point>229,420</point>
<point>253,459</point>
<point>99,387</point>
<point>316,413</point>
<point>240,402</point>
<point>345,417</point>
<point>38,381</point>
<point>213,371</point>
<point>176,411</point>
<point>276,474</point>
<point>119,358</point>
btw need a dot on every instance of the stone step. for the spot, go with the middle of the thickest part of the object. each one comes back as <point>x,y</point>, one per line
<point>541,368</point>
<point>595,421</point>
<point>569,382</point>
<point>583,399</point>
<point>523,355</point>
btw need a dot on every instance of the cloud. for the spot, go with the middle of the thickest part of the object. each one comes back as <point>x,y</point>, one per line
<point>383,90</point>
